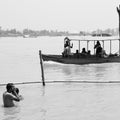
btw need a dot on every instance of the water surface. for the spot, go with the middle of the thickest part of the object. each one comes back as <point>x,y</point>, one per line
<point>19,62</point>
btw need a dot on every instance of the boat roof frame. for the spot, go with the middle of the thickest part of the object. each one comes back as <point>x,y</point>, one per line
<point>94,40</point>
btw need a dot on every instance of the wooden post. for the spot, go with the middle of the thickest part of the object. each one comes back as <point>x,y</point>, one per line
<point>119,46</point>
<point>64,44</point>
<point>94,46</point>
<point>79,46</point>
<point>118,10</point>
<point>103,44</point>
<point>87,45</point>
<point>42,70</point>
<point>110,47</point>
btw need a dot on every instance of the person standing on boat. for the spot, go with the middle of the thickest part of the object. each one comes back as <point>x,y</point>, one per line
<point>67,46</point>
<point>98,49</point>
<point>10,96</point>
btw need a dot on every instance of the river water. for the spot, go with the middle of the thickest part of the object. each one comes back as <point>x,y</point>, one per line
<point>19,62</point>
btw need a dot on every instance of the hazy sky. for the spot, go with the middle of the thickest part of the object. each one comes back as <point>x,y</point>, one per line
<point>65,15</point>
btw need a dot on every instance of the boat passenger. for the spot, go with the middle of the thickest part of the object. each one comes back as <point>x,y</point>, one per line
<point>97,45</point>
<point>104,54</point>
<point>66,52</point>
<point>89,52</point>
<point>98,49</point>
<point>67,47</point>
<point>67,43</point>
<point>84,52</point>
<point>76,55</point>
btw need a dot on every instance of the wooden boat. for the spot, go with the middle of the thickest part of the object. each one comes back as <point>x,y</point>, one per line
<point>82,60</point>
<point>79,58</point>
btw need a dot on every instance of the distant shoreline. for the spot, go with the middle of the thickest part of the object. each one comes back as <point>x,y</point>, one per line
<point>27,36</point>
<point>37,33</point>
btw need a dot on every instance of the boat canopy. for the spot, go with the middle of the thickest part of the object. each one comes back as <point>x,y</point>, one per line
<point>94,41</point>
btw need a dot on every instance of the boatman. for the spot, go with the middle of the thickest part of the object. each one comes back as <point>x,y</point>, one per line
<point>67,47</point>
<point>10,96</point>
<point>98,49</point>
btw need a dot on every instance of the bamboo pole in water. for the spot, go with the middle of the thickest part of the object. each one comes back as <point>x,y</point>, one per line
<point>42,70</point>
<point>79,45</point>
<point>118,10</point>
<point>62,81</point>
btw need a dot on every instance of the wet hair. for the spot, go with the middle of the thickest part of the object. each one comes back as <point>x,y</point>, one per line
<point>9,86</point>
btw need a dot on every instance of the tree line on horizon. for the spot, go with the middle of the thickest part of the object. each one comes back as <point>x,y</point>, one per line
<point>36,33</point>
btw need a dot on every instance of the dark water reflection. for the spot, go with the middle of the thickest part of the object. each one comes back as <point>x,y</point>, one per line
<point>106,71</point>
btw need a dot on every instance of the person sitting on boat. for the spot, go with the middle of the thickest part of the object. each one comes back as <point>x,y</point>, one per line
<point>104,54</point>
<point>84,52</point>
<point>89,52</point>
<point>98,49</point>
<point>76,54</point>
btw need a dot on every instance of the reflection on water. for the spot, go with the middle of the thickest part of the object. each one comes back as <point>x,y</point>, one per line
<point>19,62</point>
<point>101,72</point>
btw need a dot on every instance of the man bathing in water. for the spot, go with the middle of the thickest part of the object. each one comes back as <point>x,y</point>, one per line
<point>10,96</point>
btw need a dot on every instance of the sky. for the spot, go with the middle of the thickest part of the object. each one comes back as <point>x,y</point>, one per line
<point>61,15</point>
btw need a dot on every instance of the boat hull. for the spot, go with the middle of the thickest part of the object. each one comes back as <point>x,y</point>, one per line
<point>81,60</point>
